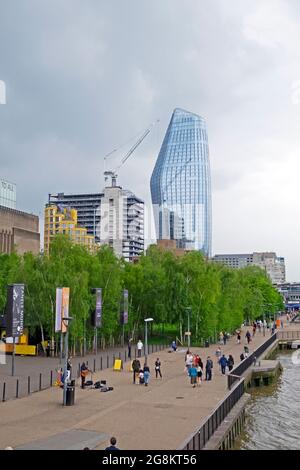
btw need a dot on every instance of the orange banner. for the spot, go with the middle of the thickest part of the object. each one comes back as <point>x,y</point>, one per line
<point>65,308</point>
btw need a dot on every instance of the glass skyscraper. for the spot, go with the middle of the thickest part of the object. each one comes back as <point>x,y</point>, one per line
<point>181,184</point>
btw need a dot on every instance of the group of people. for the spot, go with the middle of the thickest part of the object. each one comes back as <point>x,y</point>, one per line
<point>224,361</point>
<point>143,374</point>
<point>194,368</point>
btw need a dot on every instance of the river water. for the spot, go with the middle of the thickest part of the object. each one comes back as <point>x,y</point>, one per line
<point>273,414</point>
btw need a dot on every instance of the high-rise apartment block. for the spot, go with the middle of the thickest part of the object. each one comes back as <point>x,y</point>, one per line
<point>64,221</point>
<point>273,265</point>
<point>114,217</point>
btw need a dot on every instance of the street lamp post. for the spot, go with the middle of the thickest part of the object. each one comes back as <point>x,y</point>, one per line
<point>146,320</point>
<point>66,319</point>
<point>188,309</point>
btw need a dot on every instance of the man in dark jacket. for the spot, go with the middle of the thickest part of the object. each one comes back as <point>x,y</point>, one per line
<point>136,365</point>
<point>112,446</point>
<point>223,364</point>
<point>208,369</point>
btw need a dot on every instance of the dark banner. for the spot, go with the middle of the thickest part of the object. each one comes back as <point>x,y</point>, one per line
<point>97,312</point>
<point>124,308</point>
<point>15,310</point>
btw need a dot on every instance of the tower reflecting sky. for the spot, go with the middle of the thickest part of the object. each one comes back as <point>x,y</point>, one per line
<point>181,184</point>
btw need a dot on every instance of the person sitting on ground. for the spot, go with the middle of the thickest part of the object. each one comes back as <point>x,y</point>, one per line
<point>174,346</point>
<point>112,446</point>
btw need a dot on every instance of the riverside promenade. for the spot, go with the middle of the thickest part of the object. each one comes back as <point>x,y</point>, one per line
<point>160,416</point>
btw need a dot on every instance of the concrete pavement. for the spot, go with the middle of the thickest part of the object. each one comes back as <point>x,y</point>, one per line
<point>160,416</point>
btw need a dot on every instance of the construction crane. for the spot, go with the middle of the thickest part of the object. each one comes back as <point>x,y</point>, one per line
<point>113,173</point>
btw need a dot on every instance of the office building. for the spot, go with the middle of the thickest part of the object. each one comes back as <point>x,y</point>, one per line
<point>290,293</point>
<point>19,231</point>
<point>181,184</point>
<point>63,220</point>
<point>273,265</point>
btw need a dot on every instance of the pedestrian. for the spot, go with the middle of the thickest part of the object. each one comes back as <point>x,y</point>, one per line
<point>273,329</point>
<point>208,368</point>
<point>223,364</point>
<point>48,349</point>
<point>253,329</point>
<point>112,446</point>
<point>146,374</point>
<point>248,336</point>
<point>246,351</point>
<point>136,366</point>
<point>69,369</point>
<point>83,373</point>
<point>174,346</point>
<point>239,337</point>
<point>221,338</point>
<point>242,357</point>
<point>225,337</point>
<point>129,347</point>
<point>139,348</point>
<point>281,323</point>
<point>193,375</point>
<point>230,362</point>
<point>218,353</point>
<point>199,372</point>
<point>189,360</point>
<point>141,377</point>
<point>157,368</point>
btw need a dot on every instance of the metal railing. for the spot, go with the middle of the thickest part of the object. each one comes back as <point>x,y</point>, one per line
<point>24,386</point>
<point>287,335</point>
<point>238,371</point>
<point>208,427</point>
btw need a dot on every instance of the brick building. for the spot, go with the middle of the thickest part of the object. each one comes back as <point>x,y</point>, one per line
<point>20,230</point>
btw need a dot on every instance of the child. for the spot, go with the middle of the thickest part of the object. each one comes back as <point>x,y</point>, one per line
<point>141,377</point>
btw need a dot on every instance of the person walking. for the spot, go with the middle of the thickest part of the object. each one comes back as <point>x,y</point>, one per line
<point>225,338</point>
<point>193,375</point>
<point>129,347</point>
<point>199,372</point>
<point>112,446</point>
<point>221,337</point>
<point>136,366</point>
<point>189,360</point>
<point>242,357</point>
<point>139,348</point>
<point>157,368</point>
<point>230,362</point>
<point>146,374</point>
<point>208,368</point>
<point>48,349</point>
<point>248,336</point>
<point>239,337</point>
<point>223,364</point>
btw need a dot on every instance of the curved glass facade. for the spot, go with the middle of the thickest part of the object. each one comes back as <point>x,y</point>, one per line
<point>181,184</point>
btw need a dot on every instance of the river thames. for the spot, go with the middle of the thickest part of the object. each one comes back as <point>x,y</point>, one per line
<point>273,414</point>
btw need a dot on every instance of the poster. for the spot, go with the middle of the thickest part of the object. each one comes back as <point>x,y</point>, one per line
<point>58,310</point>
<point>15,310</point>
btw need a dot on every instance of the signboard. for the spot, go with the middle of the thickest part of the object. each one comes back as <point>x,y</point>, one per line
<point>58,310</point>
<point>15,310</point>
<point>124,308</point>
<point>65,308</point>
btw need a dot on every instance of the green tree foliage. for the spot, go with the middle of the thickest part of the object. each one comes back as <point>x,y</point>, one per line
<point>160,285</point>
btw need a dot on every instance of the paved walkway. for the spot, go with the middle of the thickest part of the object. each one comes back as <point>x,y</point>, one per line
<point>34,366</point>
<point>160,416</point>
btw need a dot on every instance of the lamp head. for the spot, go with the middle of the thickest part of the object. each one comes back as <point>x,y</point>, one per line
<point>148,319</point>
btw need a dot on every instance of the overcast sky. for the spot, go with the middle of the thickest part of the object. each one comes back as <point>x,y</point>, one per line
<point>83,77</point>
